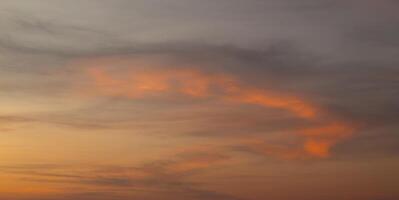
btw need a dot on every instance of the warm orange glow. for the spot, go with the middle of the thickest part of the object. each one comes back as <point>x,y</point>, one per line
<point>318,148</point>
<point>263,98</point>
<point>156,81</point>
<point>196,84</point>
<point>199,100</point>
<point>319,140</point>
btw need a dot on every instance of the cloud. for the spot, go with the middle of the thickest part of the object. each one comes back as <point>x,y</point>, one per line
<point>193,83</point>
<point>136,82</point>
<point>36,29</point>
<point>287,79</point>
<point>293,80</point>
<point>166,177</point>
<point>29,34</point>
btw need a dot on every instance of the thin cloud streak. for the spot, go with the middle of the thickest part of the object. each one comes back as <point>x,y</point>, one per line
<point>164,176</point>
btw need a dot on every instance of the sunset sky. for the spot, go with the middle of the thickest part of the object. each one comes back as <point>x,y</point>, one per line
<point>199,100</point>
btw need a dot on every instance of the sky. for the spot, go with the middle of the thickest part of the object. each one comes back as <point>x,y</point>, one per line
<point>199,100</point>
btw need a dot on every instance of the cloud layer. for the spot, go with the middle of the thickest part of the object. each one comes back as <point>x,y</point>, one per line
<point>184,99</point>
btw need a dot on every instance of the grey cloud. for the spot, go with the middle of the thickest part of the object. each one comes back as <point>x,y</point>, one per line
<point>28,34</point>
<point>66,122</point>
<point>61,28</point>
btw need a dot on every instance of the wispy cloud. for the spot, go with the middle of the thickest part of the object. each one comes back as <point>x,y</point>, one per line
<point>133,83</point>
<point>165,176</point>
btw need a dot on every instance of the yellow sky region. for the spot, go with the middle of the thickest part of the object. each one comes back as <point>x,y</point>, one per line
<point>27,105</point>
<point>45,143</point>
<point>26,151</point>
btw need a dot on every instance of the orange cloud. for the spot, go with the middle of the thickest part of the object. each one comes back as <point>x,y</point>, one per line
<point>195,84</point>
<point>267,99</point>
<point>155,81</point>
<point>319,140</point>
<point>315,141</point>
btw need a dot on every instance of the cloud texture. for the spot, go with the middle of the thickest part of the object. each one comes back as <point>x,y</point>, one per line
<point>194,100</point>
